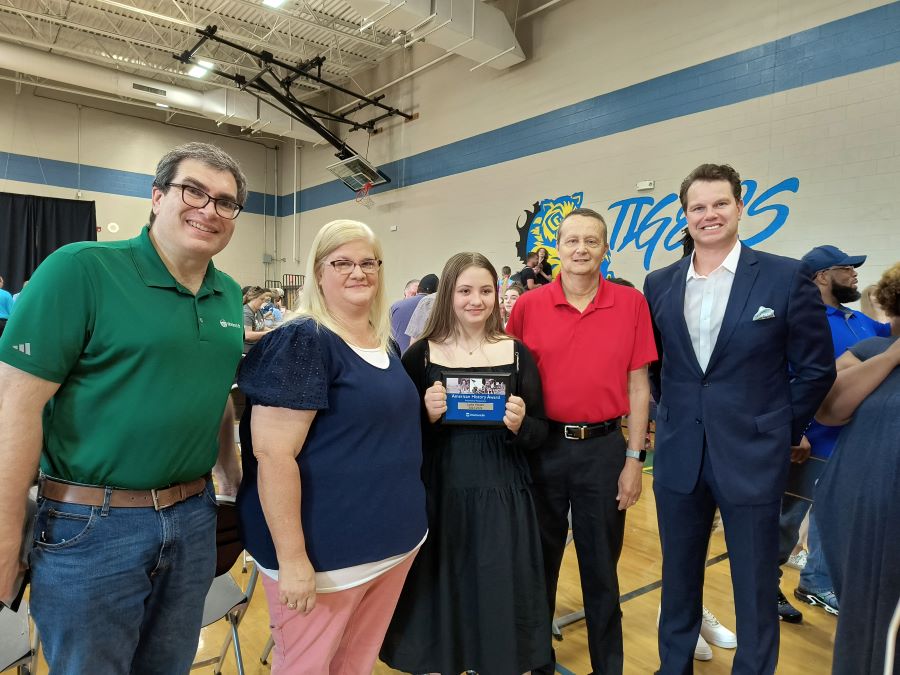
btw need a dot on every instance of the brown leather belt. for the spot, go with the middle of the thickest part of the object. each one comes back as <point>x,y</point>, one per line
<point>90,495</point>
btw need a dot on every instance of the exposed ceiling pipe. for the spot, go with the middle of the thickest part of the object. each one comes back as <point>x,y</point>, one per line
<point>238,107</point>
<point>538,10</point>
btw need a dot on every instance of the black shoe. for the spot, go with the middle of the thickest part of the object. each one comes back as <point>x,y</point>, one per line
<point>827,600</point>
<point>787,612</point>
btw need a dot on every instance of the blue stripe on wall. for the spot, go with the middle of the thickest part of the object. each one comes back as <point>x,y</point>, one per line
<point>44,171</point>
<point>859,42</point>
<point>856,43</point>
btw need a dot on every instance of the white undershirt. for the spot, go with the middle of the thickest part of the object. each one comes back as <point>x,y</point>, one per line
<point>376,356</point>
<point>705,300</point>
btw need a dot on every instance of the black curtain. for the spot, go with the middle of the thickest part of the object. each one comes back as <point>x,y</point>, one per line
<point>31,228</point>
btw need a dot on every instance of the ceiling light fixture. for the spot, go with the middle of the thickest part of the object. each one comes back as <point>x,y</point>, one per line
<point>162,105</point>
<point>200,69</point>
<point>273,3</point>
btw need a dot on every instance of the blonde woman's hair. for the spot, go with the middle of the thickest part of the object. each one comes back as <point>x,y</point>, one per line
<point>331,237</point>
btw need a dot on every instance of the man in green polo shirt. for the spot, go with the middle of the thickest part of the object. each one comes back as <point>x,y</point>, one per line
<point>120,395</point>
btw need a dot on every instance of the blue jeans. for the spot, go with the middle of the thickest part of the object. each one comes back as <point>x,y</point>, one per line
<point>815,576</point>
<point>121,590</point>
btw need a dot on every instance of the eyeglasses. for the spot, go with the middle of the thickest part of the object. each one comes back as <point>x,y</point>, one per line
<point>841,268</point>
<point>197,198</point>
<point>345,267</point>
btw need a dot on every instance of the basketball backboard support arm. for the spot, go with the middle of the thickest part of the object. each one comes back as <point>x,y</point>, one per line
<point>302,112</point>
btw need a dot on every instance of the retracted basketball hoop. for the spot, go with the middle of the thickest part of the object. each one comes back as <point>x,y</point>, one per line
<point>359,175</point>
<point>362,196</point>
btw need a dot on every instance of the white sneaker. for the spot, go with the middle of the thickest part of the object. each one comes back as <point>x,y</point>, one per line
<point>798,560</point>
<point>702,652</point>
<point>715,633</point>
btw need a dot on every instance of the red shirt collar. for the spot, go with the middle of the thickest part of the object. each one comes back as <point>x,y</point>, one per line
<point>603,298</point>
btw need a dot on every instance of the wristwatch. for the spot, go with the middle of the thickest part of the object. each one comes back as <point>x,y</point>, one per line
<point>639,455</point>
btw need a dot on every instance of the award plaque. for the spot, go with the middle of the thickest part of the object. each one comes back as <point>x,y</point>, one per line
<point>476,398</point>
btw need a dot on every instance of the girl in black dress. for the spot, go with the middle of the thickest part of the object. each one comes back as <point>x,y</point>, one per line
<point>474,598</point>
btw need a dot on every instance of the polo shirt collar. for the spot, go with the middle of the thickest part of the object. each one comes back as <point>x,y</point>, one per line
<point>838,311</point>
<point>155,273</point>
<point>730,263</point>
<point>603,298</point>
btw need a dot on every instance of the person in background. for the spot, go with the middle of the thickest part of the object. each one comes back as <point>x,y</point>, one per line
<point>254,320</point>
<point>513,293</point>
<point>411,288</point>
<point>419,317</point>
<point>474,599</point>
<point>273,311</point>
<point>543,272</point>
<point>869,305</point>
<point>856,498</point>
<point>504,282</point>
<point>6,304</point>
<point>528,275</point>
<point>834,274</point>
<point>332,505</point>
<point>135,414</point>
<point>401,311</point>
<point>16,295</point>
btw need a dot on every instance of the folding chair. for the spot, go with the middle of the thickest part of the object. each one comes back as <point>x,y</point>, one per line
<point>16,647</point>
<point>225,599</point>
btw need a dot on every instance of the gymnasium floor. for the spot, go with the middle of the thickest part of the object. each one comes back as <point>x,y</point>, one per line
<point>805,648</point>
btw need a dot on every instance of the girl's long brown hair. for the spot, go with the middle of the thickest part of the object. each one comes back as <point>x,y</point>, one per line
<point>442,324</point>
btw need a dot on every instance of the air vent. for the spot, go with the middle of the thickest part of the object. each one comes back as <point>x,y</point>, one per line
<point>149,90</point>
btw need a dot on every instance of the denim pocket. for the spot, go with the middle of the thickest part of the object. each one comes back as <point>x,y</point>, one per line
<point>59,525</point>
<point>210,493</point>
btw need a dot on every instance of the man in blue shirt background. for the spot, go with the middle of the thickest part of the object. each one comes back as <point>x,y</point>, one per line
<point>6,303</point>
<point>834,273</point>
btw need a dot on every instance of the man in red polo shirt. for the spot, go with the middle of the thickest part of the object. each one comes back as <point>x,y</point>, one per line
<point>593,341</point>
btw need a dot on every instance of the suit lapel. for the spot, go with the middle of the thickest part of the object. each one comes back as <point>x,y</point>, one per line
<point>678,287</point>
<point>744,278</point>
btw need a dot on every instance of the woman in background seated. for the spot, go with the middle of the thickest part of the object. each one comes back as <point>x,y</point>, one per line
<point>332,505</point>
<point>474,598</point>
<point>857,498</point>
<point>254,321</point>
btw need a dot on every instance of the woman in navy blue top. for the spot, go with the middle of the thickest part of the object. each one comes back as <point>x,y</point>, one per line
<point>331,505</point>
<point>475,598</point>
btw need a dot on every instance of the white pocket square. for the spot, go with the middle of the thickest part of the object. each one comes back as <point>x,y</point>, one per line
<point>764,313</point>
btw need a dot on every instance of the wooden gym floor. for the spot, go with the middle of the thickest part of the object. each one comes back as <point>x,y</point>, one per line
<point>805,648</point>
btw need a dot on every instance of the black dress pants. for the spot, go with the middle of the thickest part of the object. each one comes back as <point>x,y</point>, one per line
<point>584,475</point>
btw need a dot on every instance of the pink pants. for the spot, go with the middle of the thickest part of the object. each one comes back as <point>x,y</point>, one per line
<point>342,634</point>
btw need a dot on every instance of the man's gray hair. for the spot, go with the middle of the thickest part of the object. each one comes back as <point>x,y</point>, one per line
<point>206,153</point>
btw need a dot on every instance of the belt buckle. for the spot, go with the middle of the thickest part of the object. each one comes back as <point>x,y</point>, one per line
<point>156,504</point>
<point>578,432</point>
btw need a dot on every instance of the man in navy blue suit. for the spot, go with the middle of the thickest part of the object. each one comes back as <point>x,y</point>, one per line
<point>745,360</point>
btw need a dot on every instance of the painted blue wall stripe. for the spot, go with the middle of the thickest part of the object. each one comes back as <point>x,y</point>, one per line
<point>859,42</point>
<point>53,172</point>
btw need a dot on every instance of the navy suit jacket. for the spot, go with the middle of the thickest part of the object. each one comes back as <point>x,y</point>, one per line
<point>764,382</point>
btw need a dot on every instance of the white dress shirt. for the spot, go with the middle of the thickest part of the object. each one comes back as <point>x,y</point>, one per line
<point>705,299</point>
